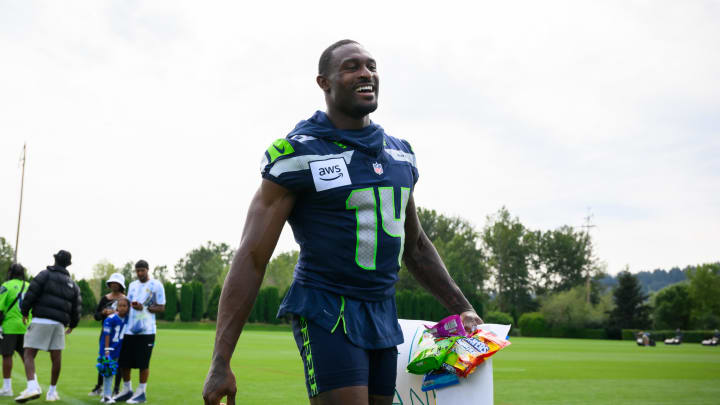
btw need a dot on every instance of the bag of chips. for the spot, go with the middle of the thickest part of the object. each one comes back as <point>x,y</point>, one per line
<point>493,341</point>
<point>430,354</point>
<point>437,379</point>
<point>468,352</point>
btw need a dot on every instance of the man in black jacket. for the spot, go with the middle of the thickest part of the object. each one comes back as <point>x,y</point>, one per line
<point>54,299</point>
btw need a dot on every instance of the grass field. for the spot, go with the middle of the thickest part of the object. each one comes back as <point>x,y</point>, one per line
<point>531,371</point>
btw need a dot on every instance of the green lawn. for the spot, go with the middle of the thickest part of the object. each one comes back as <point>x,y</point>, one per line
<point>531,371</point>
<point>575,371</point>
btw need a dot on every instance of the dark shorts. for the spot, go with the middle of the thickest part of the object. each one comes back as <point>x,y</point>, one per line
<point>136,351</point>
<point>331,361</point>
<point>12,343</point>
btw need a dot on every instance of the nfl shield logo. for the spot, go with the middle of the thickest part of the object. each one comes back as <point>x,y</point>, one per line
<point>378,168</point>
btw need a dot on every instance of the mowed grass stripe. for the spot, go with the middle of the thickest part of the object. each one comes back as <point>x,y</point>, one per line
<point>531,371</point>
<point>576,371</point>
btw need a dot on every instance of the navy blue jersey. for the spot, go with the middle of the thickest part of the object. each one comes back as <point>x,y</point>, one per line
<point>349,214</point>
<point>113,326</point>
<point>352,188</point>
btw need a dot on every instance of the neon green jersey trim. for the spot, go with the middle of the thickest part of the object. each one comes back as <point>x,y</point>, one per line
<point>279,148</point>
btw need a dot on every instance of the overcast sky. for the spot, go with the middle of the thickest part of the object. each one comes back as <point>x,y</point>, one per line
<point>146,121</point>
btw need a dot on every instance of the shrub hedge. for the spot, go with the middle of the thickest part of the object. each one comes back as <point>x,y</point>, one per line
<point>171,302</point>
<point>266,306</point>
<point>533,324</point>
<point>689,336</point>
<point>186,302</point>
<point>502,318</point>
<point>198,301</point>
<point>213,302</point>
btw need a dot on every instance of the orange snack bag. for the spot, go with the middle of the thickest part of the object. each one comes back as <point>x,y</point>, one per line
<point>491,340</point>
<point>467,353</point>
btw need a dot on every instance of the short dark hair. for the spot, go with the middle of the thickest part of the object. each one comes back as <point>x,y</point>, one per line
<point>126,299</point>
<point>326,57</point>
<point>16,270</point>
<point>142,264</point>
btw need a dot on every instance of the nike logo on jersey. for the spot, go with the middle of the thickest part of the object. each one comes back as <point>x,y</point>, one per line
<point>279,148</point>
<point>330,173</point>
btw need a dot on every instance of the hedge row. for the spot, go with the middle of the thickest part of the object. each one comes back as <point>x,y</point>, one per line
<point>419,305</point>
<point>266,306</point>
<point>689,336</point>
<point>533,324</point>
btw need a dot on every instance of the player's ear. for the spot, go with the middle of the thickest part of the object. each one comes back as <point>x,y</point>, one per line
<point>323,82</point>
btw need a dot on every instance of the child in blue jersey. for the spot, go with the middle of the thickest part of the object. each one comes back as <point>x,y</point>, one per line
<point>110,343</point>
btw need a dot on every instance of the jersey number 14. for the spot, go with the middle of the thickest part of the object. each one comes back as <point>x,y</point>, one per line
<point>365,205</point>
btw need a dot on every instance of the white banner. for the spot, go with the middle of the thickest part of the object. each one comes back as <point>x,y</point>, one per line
<point>477,389</point>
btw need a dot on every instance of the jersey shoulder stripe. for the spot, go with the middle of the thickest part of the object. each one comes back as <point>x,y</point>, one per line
<point>295,152</point>
<point>400,150</point>
<point>302,162</point>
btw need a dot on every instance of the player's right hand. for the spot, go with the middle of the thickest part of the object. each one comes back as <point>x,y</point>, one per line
<point>220,382</point>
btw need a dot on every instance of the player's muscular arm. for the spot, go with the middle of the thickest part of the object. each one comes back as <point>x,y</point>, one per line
<point>428,269</point>
<point>266,216</point>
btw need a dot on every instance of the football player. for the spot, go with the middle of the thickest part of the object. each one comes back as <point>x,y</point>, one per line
<point>345,186</point>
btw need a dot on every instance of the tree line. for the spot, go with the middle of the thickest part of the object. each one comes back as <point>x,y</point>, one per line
<point>652,281</point>
<point>508,272</point>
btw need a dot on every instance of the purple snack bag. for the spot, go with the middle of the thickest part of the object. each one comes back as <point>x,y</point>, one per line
<point>450,326</point>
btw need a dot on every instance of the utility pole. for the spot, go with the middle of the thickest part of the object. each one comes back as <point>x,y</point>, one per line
<point>586,241</point>
<point>22,188</point>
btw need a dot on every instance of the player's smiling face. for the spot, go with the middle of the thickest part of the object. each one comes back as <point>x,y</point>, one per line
<point>354,81</point>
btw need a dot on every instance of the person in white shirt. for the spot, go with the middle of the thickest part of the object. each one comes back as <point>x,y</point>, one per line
<point>147,298</point>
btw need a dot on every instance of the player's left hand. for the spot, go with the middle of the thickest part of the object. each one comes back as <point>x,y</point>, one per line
<point>470,320</point>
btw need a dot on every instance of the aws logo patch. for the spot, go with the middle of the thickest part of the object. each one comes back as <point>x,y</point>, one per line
<point>330,173</point>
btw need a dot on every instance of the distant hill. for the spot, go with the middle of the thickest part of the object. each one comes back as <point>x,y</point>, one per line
<point>652,281</point>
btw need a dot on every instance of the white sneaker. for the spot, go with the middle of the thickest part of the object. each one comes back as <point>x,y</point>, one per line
<point>28,395</point>
<point>6,392</point>
<point>52,396</point>
<point>107,400</point>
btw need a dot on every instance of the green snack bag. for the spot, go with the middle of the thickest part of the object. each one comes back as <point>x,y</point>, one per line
<point>431,357</point>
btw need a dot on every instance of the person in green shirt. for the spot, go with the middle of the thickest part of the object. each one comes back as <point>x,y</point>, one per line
<point>13,328</point>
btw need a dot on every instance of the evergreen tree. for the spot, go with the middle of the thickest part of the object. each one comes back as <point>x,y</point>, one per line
<point>214,302</point>
<point>171,302</point>
<point>186,302</point>
<point>704,291</point>
<point>258,310</point>
<point>198,307</point>
<point>207,264</point>
<point>7,254</point>
<point>104,289</point>
<point>630,311</point>
<point>508,256</point>
<point>673,307</point>
<point>279,271</point>
<point>272,303</point>
<point>89,303</point>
